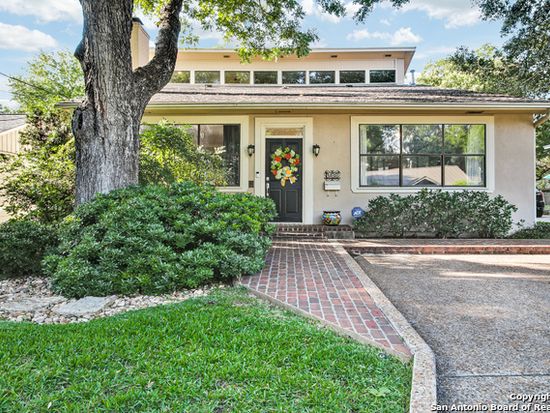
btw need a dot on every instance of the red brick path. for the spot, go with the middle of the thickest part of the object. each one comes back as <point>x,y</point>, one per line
<point>313,277</point>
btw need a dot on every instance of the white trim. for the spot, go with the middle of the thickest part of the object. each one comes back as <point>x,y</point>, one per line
<point>488,121</point>
<point>259,166</point>
<point>243,121</point>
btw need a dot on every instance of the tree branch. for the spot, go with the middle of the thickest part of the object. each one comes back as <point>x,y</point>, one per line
<point>152,77</point>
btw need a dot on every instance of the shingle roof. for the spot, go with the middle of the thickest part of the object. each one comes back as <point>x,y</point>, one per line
<point>8,122</point>
<point>189,94</point>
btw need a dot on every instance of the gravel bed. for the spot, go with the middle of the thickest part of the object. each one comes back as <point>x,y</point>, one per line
<point>31,299</point>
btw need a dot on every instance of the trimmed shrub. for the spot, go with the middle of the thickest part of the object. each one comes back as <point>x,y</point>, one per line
<point>439,214</point>
<point>159,239</point>
<point>541,230</point>
<point>23,244</point>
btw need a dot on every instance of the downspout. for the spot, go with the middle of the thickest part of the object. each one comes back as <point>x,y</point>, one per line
<point>542,119</point>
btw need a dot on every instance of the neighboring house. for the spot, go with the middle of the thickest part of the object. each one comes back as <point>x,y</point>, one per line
<point>10,127</point>
<point>347,110</point>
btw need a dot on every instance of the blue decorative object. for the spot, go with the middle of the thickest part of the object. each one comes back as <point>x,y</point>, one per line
<point>357,212</point>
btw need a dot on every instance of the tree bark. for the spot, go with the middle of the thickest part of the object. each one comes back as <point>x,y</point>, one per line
<point>106,124</point>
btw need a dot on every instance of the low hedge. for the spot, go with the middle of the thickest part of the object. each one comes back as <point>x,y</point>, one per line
<point>23,244</point>
<point>541,230</point>
<point>158,239</point>
<point>439,214</point>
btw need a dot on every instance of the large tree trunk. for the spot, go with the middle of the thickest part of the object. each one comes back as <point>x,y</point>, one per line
<point>106,124</point>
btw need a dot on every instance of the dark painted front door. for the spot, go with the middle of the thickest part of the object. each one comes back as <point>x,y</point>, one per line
<point>287,197</point>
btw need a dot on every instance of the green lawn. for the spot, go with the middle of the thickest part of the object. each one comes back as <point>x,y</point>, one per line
<point>226,352</point>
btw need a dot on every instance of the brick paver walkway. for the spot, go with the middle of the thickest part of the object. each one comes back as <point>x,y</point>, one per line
<point>314,277</point>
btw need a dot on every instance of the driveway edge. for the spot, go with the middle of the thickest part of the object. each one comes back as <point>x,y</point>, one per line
<point>424,387</point>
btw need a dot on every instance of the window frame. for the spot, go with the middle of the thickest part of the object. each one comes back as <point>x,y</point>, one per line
<point>253,79</point>
<point>364,72</point>
<point>489,164</point>
<point>226,72</point>
<point>243,121</point>
<point>383,83</point>
<point>219,82</point>
<point>310,72</point>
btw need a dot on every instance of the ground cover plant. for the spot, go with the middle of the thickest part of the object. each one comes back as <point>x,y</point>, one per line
<point>157,239</point>
<point>439,214</point>
<point>226,352</point>
<point>541,230</point>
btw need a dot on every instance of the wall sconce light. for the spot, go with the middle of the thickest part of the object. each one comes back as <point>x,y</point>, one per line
<point>250,149</point>
<point>316,150</point>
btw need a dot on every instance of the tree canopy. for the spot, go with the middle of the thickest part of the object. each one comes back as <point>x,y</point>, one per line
<point>489,70</point>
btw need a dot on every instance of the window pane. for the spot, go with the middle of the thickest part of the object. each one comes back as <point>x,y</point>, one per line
<point>422,139</point>
<point>183,76</point>
<point>382,76</point>
<point>297,78</point>
<point>380,170</point>
<point>202,76</point>
<point>379,139</point>
<point>282,131</point>
<point>240,77</point>
<point>265,78</point>
<point>224,139</point>
<point>465,171</point>
<point>352,76</point>
<point>321,77</point>
<point>465,139</point>
<point>421,171</point>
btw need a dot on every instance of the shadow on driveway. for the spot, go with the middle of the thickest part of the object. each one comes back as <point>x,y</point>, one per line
<point>486,317</point>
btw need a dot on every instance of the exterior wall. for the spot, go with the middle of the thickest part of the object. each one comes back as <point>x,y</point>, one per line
<point>515,163</point>
<point>510,158</point>
<point>513,172</point>
<point>9,141</point>
<point>139,44</point>
<point>191,63</point>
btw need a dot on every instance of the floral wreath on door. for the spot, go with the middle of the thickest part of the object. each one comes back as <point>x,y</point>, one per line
<point>284,165</point>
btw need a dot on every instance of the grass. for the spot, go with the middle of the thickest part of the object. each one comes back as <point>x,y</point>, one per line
<point>227,352</point>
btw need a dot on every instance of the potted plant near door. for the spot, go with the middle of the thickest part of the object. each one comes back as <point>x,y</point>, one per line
<point>332,218</point>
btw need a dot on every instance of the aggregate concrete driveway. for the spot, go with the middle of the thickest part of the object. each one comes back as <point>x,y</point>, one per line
<point>486,317</point>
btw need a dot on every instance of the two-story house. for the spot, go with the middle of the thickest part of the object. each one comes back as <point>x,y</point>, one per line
<point>353,128</point>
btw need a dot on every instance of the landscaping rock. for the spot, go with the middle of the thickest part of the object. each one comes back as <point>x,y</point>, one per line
<point>31,299</point>
<point>84,306</point>
<point>26,304</point>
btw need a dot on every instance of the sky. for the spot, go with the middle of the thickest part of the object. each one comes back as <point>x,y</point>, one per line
<point>435,27</point>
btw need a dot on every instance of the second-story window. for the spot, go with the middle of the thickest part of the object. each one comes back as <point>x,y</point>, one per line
<point>207,76</point>
<point>294,77</point>
<point>182,76</point>
<point>321,76</point>
<point>352,76</point>
<point>382,76</point>
<point>237,77</point>
<point>264,77</point>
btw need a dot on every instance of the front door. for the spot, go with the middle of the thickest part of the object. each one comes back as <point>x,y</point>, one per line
<point>284,177</point>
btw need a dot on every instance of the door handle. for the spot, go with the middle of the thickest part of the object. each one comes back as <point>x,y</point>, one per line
<point>267,188</point>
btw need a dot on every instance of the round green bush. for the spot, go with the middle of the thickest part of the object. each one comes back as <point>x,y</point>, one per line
<point>438,214</point>
<point>159,239</point>
<point>23,244</point>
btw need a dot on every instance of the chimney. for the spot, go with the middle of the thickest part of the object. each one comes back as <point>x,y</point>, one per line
<point>139,43</point>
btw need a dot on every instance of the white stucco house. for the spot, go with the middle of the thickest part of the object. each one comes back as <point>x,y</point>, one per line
<point>358,130</point>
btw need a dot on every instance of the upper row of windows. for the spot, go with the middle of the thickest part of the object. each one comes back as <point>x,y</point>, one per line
<point>292,77</point>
